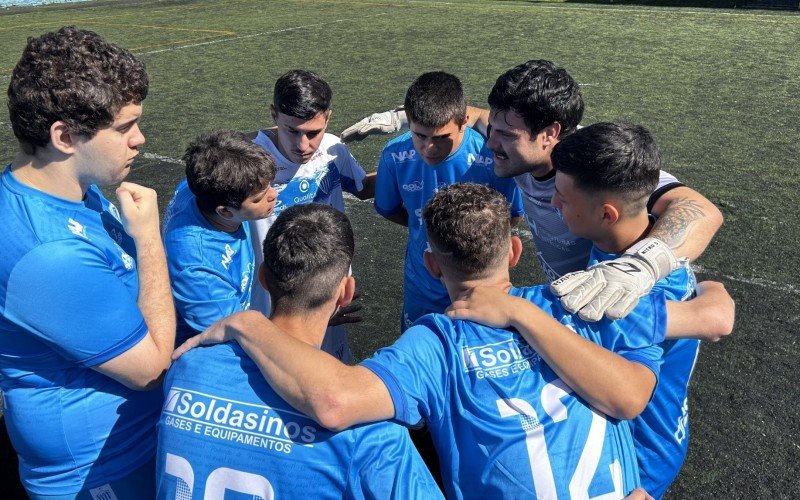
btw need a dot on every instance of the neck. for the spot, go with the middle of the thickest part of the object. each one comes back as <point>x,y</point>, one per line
<point>308,327</point>
<point>51,176</point>
<point>499,279</point>
<point>624,234</point>
<point>219,222</point>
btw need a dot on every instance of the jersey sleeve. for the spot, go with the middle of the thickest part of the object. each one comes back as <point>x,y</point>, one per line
<point>388,199</point>
<point>414,371</point>
<point>386,465</point>
<point>352,173</point>
<point>666,182</point>
<point>68,296</point>
<point>203,295</point>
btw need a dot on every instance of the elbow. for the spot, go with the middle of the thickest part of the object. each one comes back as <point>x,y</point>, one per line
<point>146,381</point>
<point>715,217</point>
<point>627,408</point>
<point>329,411</point>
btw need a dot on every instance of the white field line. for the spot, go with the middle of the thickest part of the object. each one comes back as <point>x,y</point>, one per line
<point>264,33</point>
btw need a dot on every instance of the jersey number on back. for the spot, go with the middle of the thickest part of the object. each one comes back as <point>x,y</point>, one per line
<point>217,482</point>
<point>541,469</point>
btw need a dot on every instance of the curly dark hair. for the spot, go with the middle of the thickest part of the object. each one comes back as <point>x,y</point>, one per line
<point>74,76</point>
<point>468,227</point>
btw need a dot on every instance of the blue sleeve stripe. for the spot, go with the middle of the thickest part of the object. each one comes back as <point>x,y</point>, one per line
<point>401,413</point>
<point>122,346</point>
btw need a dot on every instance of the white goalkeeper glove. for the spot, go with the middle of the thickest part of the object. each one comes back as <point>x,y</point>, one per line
<point>614,287</point>
<point>387,122</point>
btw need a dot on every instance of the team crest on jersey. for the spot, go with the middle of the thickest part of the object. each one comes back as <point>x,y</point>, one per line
<point>413,187</point>
<point>499,359</point>
<point>404,156</point>
<point>76,228</point>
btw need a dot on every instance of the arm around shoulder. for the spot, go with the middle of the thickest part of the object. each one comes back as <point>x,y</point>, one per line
<point>687,221</point>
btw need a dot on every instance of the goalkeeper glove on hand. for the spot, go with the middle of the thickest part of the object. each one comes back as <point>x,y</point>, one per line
<point>614,287</point>
<point>387,122</point>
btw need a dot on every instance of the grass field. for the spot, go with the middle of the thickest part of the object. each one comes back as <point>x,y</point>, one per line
<point>719,89</point>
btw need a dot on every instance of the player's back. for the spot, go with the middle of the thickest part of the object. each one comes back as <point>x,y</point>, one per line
<point>223,428</point>
<point>504,424</point>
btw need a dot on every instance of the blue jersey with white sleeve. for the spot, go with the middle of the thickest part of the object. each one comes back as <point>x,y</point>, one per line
<point>210,270</point>
<point>68,290</point>
<point>493,405</point>
<point>661,432</point>
<point>406,182</point>
<point>228,431</point>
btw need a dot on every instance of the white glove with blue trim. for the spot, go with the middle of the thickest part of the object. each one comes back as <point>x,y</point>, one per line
<point>387,122</point>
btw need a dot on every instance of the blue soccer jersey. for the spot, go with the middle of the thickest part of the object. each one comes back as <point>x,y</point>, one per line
<point>68,290</point>
<point>223,429</point>
<point>503,423</point>
<point>661,432</point>
<point>210,270</point>
<point>406,182</point>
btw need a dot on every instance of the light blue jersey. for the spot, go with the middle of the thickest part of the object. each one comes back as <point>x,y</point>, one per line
<point>503,423</point>
<point>661,432</point>
<point>223,429</point>
<point>406,182</point>
<point>68,290</point>
<point>210,270</point>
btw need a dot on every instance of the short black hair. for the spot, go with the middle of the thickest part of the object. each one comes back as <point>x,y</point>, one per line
<point>74,76</point>
<point>224,169</point>
<point>468,227</point>
<point>613,157</point>
<point>307,252</point>
<point>302,94</point>
<point>540,92</point>
<point>436,98</point>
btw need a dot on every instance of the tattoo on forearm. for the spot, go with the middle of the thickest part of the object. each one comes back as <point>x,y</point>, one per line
<point>673,226</point>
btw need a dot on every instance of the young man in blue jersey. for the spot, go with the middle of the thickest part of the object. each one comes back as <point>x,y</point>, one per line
<point>532,107</point>
<point>492,401</point>
<point>206,236</point>
<point>313,166</point>
<point>223,428</point>
<point>87,322</point>
<point>439,150</point>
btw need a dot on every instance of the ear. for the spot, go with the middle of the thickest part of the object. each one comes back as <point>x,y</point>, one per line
<point>514,251</point>
<point>224,212</point>
<point>466,120</point>
<point>432,265</point>
<point>551,135</point>
<point>262,277</point>
<point>61,138</point>
<point>347,288</point>
<point>611,214</point>
<point>274,113</point>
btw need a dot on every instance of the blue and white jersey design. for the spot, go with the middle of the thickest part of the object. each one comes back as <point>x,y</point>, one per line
<point>68,290</point>
<point>661,432</point>
<point>228,430</point>
<point>559,251</point>
<point>210,271</point>
<point>493,405</point>
<point>406,182</point>
<point>320,180</point>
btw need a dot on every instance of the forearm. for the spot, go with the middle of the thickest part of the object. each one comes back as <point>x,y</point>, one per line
<point>710,316</point>
<point>155,296</point>
<point>687,222</point>
<point>312,381</point>
<point>368,190</point>
<point>398,217</point>
<point>478,119</point>
<point>610,383</point>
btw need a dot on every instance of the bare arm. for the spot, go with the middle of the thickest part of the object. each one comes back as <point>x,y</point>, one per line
<point>687,222</point>
<point>332,393</point>
<point>142,366</point>
<point>478,120</point>
<point>607,381</point>
<point>368,191</point>
<point>709,316</point>
<point>398,217</point>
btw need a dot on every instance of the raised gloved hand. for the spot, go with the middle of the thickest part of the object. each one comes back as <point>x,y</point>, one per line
<point>387,122</point>
<point>614,287</point>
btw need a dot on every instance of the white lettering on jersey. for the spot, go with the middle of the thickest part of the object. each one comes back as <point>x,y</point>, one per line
<point>412,187</point>
<point>227,257</point>
<point>404,156</point>
<point>76,228</point>
<point>500,359</point>
<point>484,160</point>
<point>682,432</point>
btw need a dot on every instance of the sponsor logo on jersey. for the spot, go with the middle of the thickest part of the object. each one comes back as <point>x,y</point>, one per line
<point>500,359</point>
<point>227,257</point>
<point>113,211</point>
<point>404,156</point>
<point>76,228</point>
<point>413,186</point>
<point>485,161</point>
<point>304,185</point>
<point>239,421</point>
<point>127,260</point>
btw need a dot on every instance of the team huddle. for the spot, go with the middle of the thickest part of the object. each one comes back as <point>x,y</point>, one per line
<point>206,356</point>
